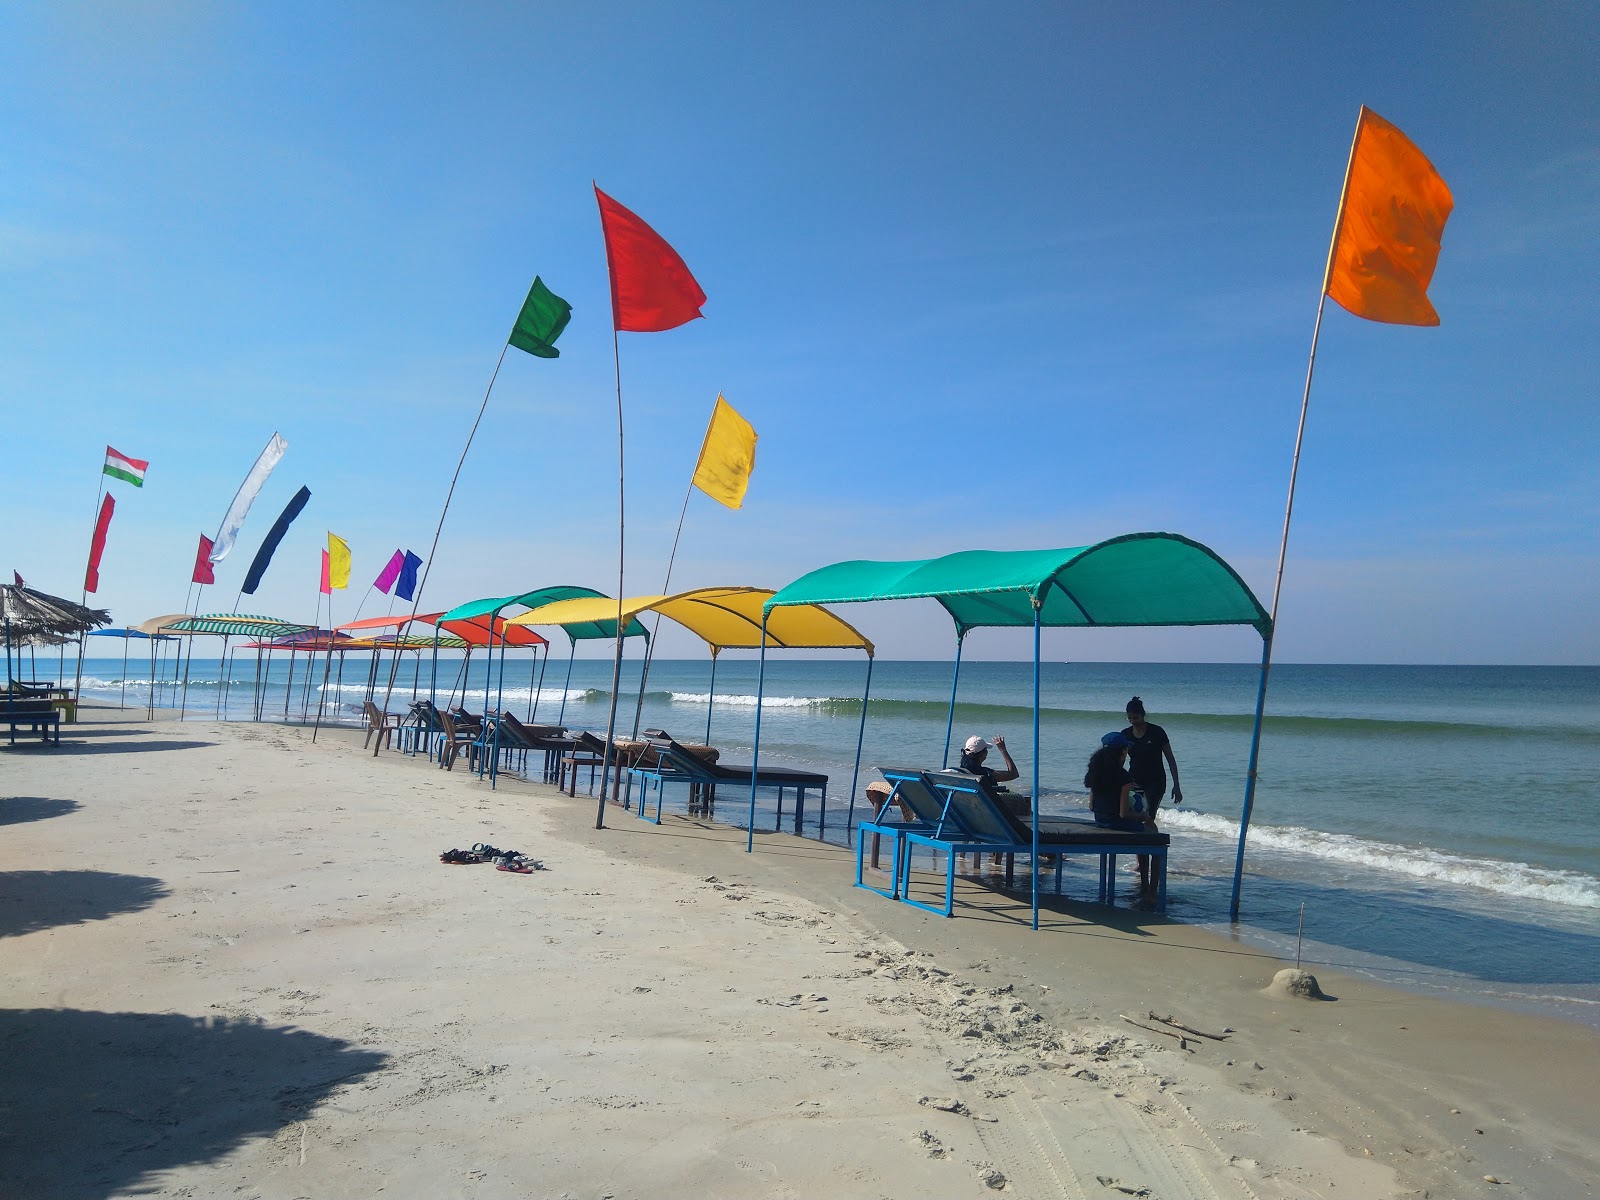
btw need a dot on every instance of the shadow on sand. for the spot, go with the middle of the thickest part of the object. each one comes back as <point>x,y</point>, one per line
<point>33,900</point>
<point>95,1104</point>
<point>18,810</point>
<point>68,746</point>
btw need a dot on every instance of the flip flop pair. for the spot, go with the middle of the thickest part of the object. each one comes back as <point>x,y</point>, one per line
<point>518,863</point>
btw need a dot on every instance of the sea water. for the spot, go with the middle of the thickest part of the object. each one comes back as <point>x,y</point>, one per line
<point>1440,825</point>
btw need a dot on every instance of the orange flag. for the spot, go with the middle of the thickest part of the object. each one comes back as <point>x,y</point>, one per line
<point>1391,221</point>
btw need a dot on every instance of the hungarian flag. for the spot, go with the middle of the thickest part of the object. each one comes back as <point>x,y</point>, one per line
<point>544,315</point>
<point>129,470</point>
<point>727,456</point>
<point>91,578</point>
<point>651,288</point>
<point>1390,225</point>
<point>204,570</point>
<point>338,561</point>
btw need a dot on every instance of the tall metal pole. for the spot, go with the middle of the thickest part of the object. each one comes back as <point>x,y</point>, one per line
<point>666,587</point>
<point>1033,866</point>
<point>616,656</point>
<point>861,737</point>
<point>955,678</point>
<point>416,599</point>
<point>1283,545</point>
<point>755,757</point>
<point>561,717</point>
<point>711,696</point>
<point>83,596</point>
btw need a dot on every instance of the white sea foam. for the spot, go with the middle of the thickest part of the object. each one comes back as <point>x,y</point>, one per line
<point>473,697</point>
<point>735,701</point>
<point>1516,879</point>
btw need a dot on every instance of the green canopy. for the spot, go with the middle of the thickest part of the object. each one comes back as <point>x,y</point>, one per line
<point>237,625</point>
<point>1132,580</point>
<point>537,599</point>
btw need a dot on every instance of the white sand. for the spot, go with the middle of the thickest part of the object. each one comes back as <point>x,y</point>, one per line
<point>235,967</point>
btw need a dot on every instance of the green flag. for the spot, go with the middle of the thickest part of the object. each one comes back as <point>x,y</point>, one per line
<point>544,315</point>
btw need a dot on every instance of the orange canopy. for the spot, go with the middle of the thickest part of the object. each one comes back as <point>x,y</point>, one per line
<point>472,630</point>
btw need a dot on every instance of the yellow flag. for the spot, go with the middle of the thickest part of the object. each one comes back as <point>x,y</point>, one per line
<point>338,561</point>
<point>727,456</point>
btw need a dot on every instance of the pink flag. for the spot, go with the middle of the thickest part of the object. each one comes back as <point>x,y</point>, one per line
<point>390,573</point>
<point>91,579</point>
<point>327,582</point>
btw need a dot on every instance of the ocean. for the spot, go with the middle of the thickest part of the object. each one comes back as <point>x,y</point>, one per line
<point>1440,825</point>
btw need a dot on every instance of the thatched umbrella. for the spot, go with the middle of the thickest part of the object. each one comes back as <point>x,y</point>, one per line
<point>30,614</point>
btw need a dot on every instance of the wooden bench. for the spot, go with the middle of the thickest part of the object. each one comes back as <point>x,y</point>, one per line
<point>38,715</point>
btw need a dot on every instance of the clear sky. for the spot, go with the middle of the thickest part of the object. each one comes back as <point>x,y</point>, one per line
<point>1003,275</point>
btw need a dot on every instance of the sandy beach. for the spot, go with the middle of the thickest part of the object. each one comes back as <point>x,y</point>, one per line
<point>234,966</point>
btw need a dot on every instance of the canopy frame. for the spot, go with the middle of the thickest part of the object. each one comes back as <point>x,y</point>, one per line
<point>729,618</point>
<point>1009,580</point>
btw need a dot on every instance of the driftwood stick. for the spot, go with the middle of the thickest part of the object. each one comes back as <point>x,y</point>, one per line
<point>1167,1020</point>
<point>1183,1042</point>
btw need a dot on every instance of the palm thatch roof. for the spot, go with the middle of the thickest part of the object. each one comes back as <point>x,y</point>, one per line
<point>33,614</point>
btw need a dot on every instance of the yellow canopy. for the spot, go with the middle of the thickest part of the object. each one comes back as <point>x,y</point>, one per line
<point>724,617</point>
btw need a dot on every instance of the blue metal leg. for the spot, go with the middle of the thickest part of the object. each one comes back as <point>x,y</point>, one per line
<point>950,883</point>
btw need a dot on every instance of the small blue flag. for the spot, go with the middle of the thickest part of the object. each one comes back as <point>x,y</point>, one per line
<point>406,588</point>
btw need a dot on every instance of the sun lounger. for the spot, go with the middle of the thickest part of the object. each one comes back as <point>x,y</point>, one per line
<point>677,764</point>
<point>550,740</point>
<point>39,715</point>
<point>959,813</point>
<point>974,803</point>
<point>910,793</point>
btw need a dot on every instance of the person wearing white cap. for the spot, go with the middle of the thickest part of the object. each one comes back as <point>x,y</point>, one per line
<point>977,749</point>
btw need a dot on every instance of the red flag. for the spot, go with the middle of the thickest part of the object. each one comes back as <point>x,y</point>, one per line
<point>651,288</point>
<point>17,575</point>
<point>91,578</point>
<point>327,582</point>
<point>205,571</point>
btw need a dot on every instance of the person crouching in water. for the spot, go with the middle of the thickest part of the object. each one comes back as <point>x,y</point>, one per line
<point>1111,791</point>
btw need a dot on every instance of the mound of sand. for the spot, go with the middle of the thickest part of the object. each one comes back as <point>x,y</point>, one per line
<point>1294,984</point>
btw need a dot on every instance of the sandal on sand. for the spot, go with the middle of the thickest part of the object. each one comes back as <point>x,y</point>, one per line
<point>515,866</point>
<point>486,852</point>
<point>455,856</point>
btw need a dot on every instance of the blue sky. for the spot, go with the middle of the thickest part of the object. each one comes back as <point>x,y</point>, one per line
<point>1003,276</point>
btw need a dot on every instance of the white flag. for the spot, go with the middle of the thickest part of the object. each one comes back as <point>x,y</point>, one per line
<point>228,531</point>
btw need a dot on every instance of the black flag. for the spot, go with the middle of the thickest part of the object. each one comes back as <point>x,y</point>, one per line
<point>269,547</point>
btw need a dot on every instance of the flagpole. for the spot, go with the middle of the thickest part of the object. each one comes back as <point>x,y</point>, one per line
<point>83,596</point>
<point>1283,545</point>
<point>666,584</point>
<point>416,600</point>
<point>370,588</point>
<point>616,657</point>
<point>327,666</point>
